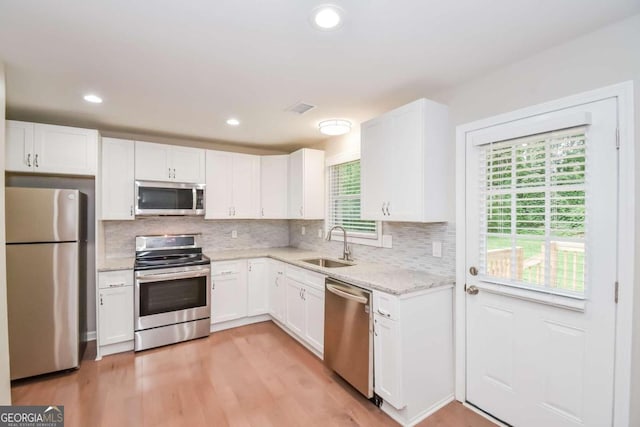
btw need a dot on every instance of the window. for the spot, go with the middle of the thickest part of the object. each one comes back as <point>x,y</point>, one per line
<point>344,201</point>
<point>532,211</point>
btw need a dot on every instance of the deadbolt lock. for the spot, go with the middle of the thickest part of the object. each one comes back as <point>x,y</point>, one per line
<point>473,271</point>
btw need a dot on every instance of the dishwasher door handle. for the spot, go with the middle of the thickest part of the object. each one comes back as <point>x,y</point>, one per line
<point>347,295</point>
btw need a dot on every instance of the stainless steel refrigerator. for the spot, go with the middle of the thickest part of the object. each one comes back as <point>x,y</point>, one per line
<point>46,235</point>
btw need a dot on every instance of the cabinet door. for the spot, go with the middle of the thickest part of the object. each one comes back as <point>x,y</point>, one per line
<point>296,185</point>
<point>187,164</point>
<point>219,180</point>
<point>258,296</point>
<point>313,184</point>
<point>295,310</point>
<point>152,162</point>
<point>407,158</point>
<point>274,171</point>
<point>277,290</point>
<point>228,297</point>
<point>375,169</point>
<point>65,150</point>
<point>386,353</point>
<point>19,146</point>
<point>115,314</point>
<point>314,317</point>
<point>117,179</point>
<point>246,186</point>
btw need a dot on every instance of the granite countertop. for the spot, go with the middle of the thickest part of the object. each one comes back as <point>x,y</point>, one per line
<point>385,278</point>
<point>115,264</point>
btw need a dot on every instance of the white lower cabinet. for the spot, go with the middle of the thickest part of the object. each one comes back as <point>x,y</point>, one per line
<point>413,352</point>
<point>115,307</point>
<point>305,306</point>
<point>228,290</point>
<point>314,317</point>
<point>277,290</point>
<point>257,290</point>
<point>387,365</point>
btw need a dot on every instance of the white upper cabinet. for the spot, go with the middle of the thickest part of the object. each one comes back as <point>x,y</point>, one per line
<point>306,184</point>
<point>117,179</point>
<point>404,158</point>
<point>39,148</point>
<point>233,185</point>
<point>274,177</point>
<point>160,162</point>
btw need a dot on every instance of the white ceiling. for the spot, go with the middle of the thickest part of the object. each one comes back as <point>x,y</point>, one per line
<point>182,68</point>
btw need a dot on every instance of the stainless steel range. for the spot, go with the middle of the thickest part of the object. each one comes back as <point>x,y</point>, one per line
<point>172,292</point>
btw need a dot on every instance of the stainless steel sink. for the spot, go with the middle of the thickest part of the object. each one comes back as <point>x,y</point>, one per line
<point>327,263</point>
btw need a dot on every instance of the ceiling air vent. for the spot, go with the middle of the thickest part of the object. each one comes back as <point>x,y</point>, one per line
<point>300,108</point>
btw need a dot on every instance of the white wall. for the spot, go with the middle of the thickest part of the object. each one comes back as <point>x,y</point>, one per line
<point>5,385</point>
<point>608,56</point>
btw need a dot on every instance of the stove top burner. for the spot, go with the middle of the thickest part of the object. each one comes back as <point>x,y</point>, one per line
<point>155,252</point>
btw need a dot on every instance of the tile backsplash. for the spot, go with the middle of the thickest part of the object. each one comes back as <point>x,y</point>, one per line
<point>411,249</point>
<point>119,236</point>
<point>411,241</point>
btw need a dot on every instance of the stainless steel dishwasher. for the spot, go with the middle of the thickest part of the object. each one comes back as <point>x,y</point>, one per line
<point>348,335</point>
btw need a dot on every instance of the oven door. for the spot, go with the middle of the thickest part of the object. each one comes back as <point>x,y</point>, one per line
<point>172,295</point>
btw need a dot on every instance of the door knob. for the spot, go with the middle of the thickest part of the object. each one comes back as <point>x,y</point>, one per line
<point>473,290</point>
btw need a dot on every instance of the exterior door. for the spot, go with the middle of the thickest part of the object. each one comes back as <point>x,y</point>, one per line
<point>541,198</point>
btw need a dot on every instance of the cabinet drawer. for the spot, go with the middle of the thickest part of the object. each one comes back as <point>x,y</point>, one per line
<point>386,305</point>
<point>309,278</point>
<point>225,268</point>
<point>115,279</point>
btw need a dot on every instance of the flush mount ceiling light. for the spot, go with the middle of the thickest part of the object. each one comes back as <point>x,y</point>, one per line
<point>334,127</point>
<point>327,17</point>
<point>94,99</point>
<point>233,122</point>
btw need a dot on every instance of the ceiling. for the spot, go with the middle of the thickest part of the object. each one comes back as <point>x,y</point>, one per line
<point>181,68</point>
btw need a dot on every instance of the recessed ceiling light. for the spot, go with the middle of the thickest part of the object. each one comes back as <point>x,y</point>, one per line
<point>327,17</point>
<point>233,122</point>
<point>95,99</point>
<point>334,127</point>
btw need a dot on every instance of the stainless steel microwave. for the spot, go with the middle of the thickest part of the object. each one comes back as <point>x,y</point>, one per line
<point>169,198</point>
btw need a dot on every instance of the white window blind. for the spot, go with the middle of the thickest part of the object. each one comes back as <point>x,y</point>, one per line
<point>344,200</point>
<point>533,211</point>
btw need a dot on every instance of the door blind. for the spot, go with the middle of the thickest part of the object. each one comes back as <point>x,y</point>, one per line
<point>344,200</point>
<point>533,211</point>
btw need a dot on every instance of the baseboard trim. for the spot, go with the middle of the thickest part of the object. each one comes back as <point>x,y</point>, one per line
<point>397,416</point>
<point>120,347</point>
<point>89,336</point>
<point>293,335</point>
<point>230,324</point>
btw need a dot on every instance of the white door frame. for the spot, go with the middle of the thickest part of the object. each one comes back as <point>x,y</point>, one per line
<point>626,233</point>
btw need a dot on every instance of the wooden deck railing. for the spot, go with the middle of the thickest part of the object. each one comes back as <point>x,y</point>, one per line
<point>566,265</point>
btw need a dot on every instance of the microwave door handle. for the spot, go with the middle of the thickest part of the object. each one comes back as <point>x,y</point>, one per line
<point>194,198</point>
<point>171,276</point>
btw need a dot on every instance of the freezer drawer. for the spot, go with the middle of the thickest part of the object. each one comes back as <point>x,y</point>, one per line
<point>42,302</point>
<point>43,215</point>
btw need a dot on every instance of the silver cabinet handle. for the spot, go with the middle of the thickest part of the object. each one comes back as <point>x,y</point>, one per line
<point>262,211</point>
<point>301,212</point>
<point>101,302</point>
<point>35,161</point>
<point>234,211</point>
<point>29,159</point>
<point>229,211</point>
<point>131,210</point>
<point>277,282</point>
<point>174,173</point>
<point>213,285</point>
<point>383,213</point>
<point>169,173</point>
<point>384,313</point>
<point>117,285</point>
<point>388,204</point>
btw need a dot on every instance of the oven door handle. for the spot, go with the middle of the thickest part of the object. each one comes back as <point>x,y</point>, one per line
<point>171,276</point>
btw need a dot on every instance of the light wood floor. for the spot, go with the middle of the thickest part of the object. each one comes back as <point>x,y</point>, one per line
<point>254,376</point>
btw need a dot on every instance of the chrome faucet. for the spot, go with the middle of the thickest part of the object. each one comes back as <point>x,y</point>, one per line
<point>346,254</point>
